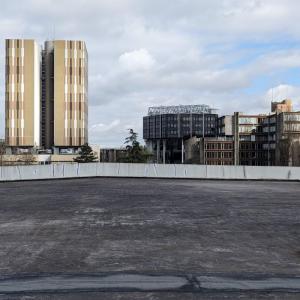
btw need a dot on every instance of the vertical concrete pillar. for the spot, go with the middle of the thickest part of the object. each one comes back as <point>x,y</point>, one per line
<point>236,139</point>
<point>202,151</point>
<point>157,150</point>
<point>203,125</point>
<point>149,146</point>
<point>115,155</point>
<point>182,151</point>
<point>164,151</point>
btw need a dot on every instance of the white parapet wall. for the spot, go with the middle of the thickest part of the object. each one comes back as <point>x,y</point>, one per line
<point>65,170</point>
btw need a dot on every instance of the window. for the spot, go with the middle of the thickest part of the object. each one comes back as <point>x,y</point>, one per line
<point>247,120</point>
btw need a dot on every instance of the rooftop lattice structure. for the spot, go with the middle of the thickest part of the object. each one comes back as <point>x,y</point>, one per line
<point>181,109</point>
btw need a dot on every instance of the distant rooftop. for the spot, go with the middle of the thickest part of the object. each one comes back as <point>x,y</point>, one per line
<point>181,109</point>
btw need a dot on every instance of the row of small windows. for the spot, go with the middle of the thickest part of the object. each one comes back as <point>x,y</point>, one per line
<point>219,146</point>
<point>253,155</point>
<point>219,163</point>
<point>269,129</point>
<point>219,154</point>
<point>251,146</point>
<point>292,117</point>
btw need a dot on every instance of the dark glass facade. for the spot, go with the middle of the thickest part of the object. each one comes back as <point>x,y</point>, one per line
<point>183,126</point>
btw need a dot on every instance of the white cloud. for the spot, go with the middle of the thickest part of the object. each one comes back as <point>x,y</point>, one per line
<point>100,127</point>
<point>137,60</point>
<point>144,53</point>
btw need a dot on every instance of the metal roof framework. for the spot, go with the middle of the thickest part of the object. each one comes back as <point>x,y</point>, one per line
<point>181,109</point>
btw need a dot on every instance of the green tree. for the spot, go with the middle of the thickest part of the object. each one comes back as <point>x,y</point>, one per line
<point>135,153</point>
<point>86,155</point>
<point>27,159</point>
<point>2,151</point>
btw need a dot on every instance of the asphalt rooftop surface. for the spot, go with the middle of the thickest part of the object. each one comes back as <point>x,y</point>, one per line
<point>117,238</point>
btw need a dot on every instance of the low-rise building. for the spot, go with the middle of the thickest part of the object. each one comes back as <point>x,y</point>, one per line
<point>217,151</point>
<point>112,155</point>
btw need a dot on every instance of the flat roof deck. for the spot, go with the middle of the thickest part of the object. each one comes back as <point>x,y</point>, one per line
<point>149,226</point>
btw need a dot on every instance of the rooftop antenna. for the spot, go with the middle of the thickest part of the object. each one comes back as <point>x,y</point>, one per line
<point>272,94</point>
<point>53,38</point>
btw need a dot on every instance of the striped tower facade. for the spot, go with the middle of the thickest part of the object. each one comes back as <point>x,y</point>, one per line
<point>22,93</point>
<point>70,93</point>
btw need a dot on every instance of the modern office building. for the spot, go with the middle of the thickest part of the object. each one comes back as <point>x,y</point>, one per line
<point>22,93</point>
<point>46,94</point>
<point>166,128</point>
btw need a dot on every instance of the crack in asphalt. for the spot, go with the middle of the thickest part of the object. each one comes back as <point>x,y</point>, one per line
<point>147,283</point>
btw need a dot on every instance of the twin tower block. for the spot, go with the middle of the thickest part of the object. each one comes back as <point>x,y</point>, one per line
<point>46,94</point>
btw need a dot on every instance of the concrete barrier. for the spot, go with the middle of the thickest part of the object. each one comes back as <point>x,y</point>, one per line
<point>56,171</point>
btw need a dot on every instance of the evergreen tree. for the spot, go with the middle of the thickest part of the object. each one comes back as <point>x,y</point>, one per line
<point>86,155</point>
<point>135,153</point>
<point>2,151</point>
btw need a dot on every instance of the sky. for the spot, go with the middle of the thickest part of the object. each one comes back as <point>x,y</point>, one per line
<point>234,55</point>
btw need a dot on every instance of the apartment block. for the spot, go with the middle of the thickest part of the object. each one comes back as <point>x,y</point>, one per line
<point>46,94</point>
<point>22,93</point>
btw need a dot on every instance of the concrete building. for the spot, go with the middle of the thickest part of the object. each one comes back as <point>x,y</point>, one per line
<point>209,151</point>
<point>239,141</point>
<point>22,94</point>
<point>224,126</point>
<point>282,138</point>
<point>248,144</point>
<point>269,128</point>
<point>283,106</point>
<point>217,151</point>
<point>112,155</point>
<point>166,129</point>
<point>48,108</point>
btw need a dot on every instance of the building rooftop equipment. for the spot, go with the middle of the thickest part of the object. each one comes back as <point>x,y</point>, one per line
<point>181,109</point>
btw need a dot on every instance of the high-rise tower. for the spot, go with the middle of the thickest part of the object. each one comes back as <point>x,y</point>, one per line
<point>22,93</point>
